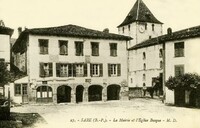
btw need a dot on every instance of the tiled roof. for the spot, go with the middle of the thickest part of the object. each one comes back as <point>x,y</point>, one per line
<point>6,30</point>
<point>67,31</point>
<point>140,12</point>
<point>178,35</point>
<point>75,31</point>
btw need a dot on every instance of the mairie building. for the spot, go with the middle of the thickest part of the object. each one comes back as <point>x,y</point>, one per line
<point>69,64</point>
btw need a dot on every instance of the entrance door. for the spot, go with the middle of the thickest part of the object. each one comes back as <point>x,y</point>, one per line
<point>24,93</point>
<point>113,92</point>
<point>95,93</point>
<point>79,93</point>
<point>63,94</point>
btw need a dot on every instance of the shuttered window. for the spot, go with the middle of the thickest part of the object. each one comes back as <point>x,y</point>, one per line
<point>46,70</point>
<point>96,70</point>
<point>79,48</point>
<point>71,70</point>
<point>179,49</point>
<point>95,48</point>
<point>43,44</point>
<point>63,45</point>
<point>114,70</point>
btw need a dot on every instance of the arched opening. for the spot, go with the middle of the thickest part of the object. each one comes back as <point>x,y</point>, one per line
<point>113,92</point>
<point>79,93</point>
<point>44,94</point>
<point>95,93</point>
<point>63,94</point>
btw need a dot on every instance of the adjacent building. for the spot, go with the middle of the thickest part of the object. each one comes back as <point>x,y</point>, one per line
<point>5,37</point>
<point>70,64</point>
<point>145,63</point>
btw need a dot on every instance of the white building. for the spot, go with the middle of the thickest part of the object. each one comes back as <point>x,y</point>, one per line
<point>70,64</point>
<point>181,56</point>
<point>5,37</point>
<point>145,61</point>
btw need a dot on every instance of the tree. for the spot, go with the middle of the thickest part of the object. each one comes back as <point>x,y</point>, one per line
<point>187,81</point>
<point>5,76</point>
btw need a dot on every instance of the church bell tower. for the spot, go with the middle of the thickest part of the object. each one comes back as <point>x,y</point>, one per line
<point>140,24</point>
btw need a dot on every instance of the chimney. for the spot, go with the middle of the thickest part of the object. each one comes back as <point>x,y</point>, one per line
<point>106,30</point>
<point>169,31</point>
<point>19,30</point>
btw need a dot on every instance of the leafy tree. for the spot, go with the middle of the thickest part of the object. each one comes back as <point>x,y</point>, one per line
<point>5,76</point>
<point>187,81</point>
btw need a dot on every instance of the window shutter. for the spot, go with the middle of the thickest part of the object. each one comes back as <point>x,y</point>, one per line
<point>109,70</point>
<point>50,69</point>
<point>82,48</point>
<point>70,70</point>
<point>74,70</point>
<point>42,72</point>
<point>57,69</point>
<point>118,69</point>
<point>101,69</point>
<point>91,72</point>
<point>85,70</point>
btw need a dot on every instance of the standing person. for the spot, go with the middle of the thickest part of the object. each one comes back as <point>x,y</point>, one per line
<point>144,88</point>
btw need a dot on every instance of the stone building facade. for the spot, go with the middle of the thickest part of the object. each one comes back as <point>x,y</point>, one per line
<point>70,64</point>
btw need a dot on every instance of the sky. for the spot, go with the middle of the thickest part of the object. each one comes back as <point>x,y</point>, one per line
<point>95,14</point>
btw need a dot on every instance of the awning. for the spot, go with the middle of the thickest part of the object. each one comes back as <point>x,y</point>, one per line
<point>22,80</point>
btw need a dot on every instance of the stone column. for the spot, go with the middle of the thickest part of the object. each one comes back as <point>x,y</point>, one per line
<point>54,93</point>
<point>85,93</point>
<point>104,92</point>
<point>73,94</point>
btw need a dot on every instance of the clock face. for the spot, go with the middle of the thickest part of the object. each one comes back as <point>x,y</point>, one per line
<point>141,29</point>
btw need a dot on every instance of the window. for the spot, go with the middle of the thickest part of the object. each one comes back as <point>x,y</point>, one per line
<point>131,80</point>
<point>71,70</point>
<point>144,66</point>
<point>144,55</point>
<point>161,53</point>
<point>123,29</point>
<point>24,89</point>
<point>17,89</point>
<point>145,26</point>
<point>79,48</point>
<point>43,44</point>
<point>179,49</point>
<point>46,70</point>
<point>179,70</point>
<point>161,64</point>
<point>44,92</point>
<point>63,45</point>
<point>79,70</point>
<point>96,70</point>
<point>62,70</point>
<point>129,27</point>
<point>113,49</point>
<point>95,48</point>
<point>153,26</point>
<point>149,37</point>
<point>144,77</point>
<point>114,70</point>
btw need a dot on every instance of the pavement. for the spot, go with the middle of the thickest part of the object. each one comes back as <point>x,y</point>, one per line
<point>135,113</point>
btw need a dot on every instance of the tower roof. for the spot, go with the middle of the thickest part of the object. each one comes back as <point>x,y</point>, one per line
<point>140,12</point>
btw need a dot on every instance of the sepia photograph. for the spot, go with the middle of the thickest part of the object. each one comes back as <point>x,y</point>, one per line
<point>99,64</point>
